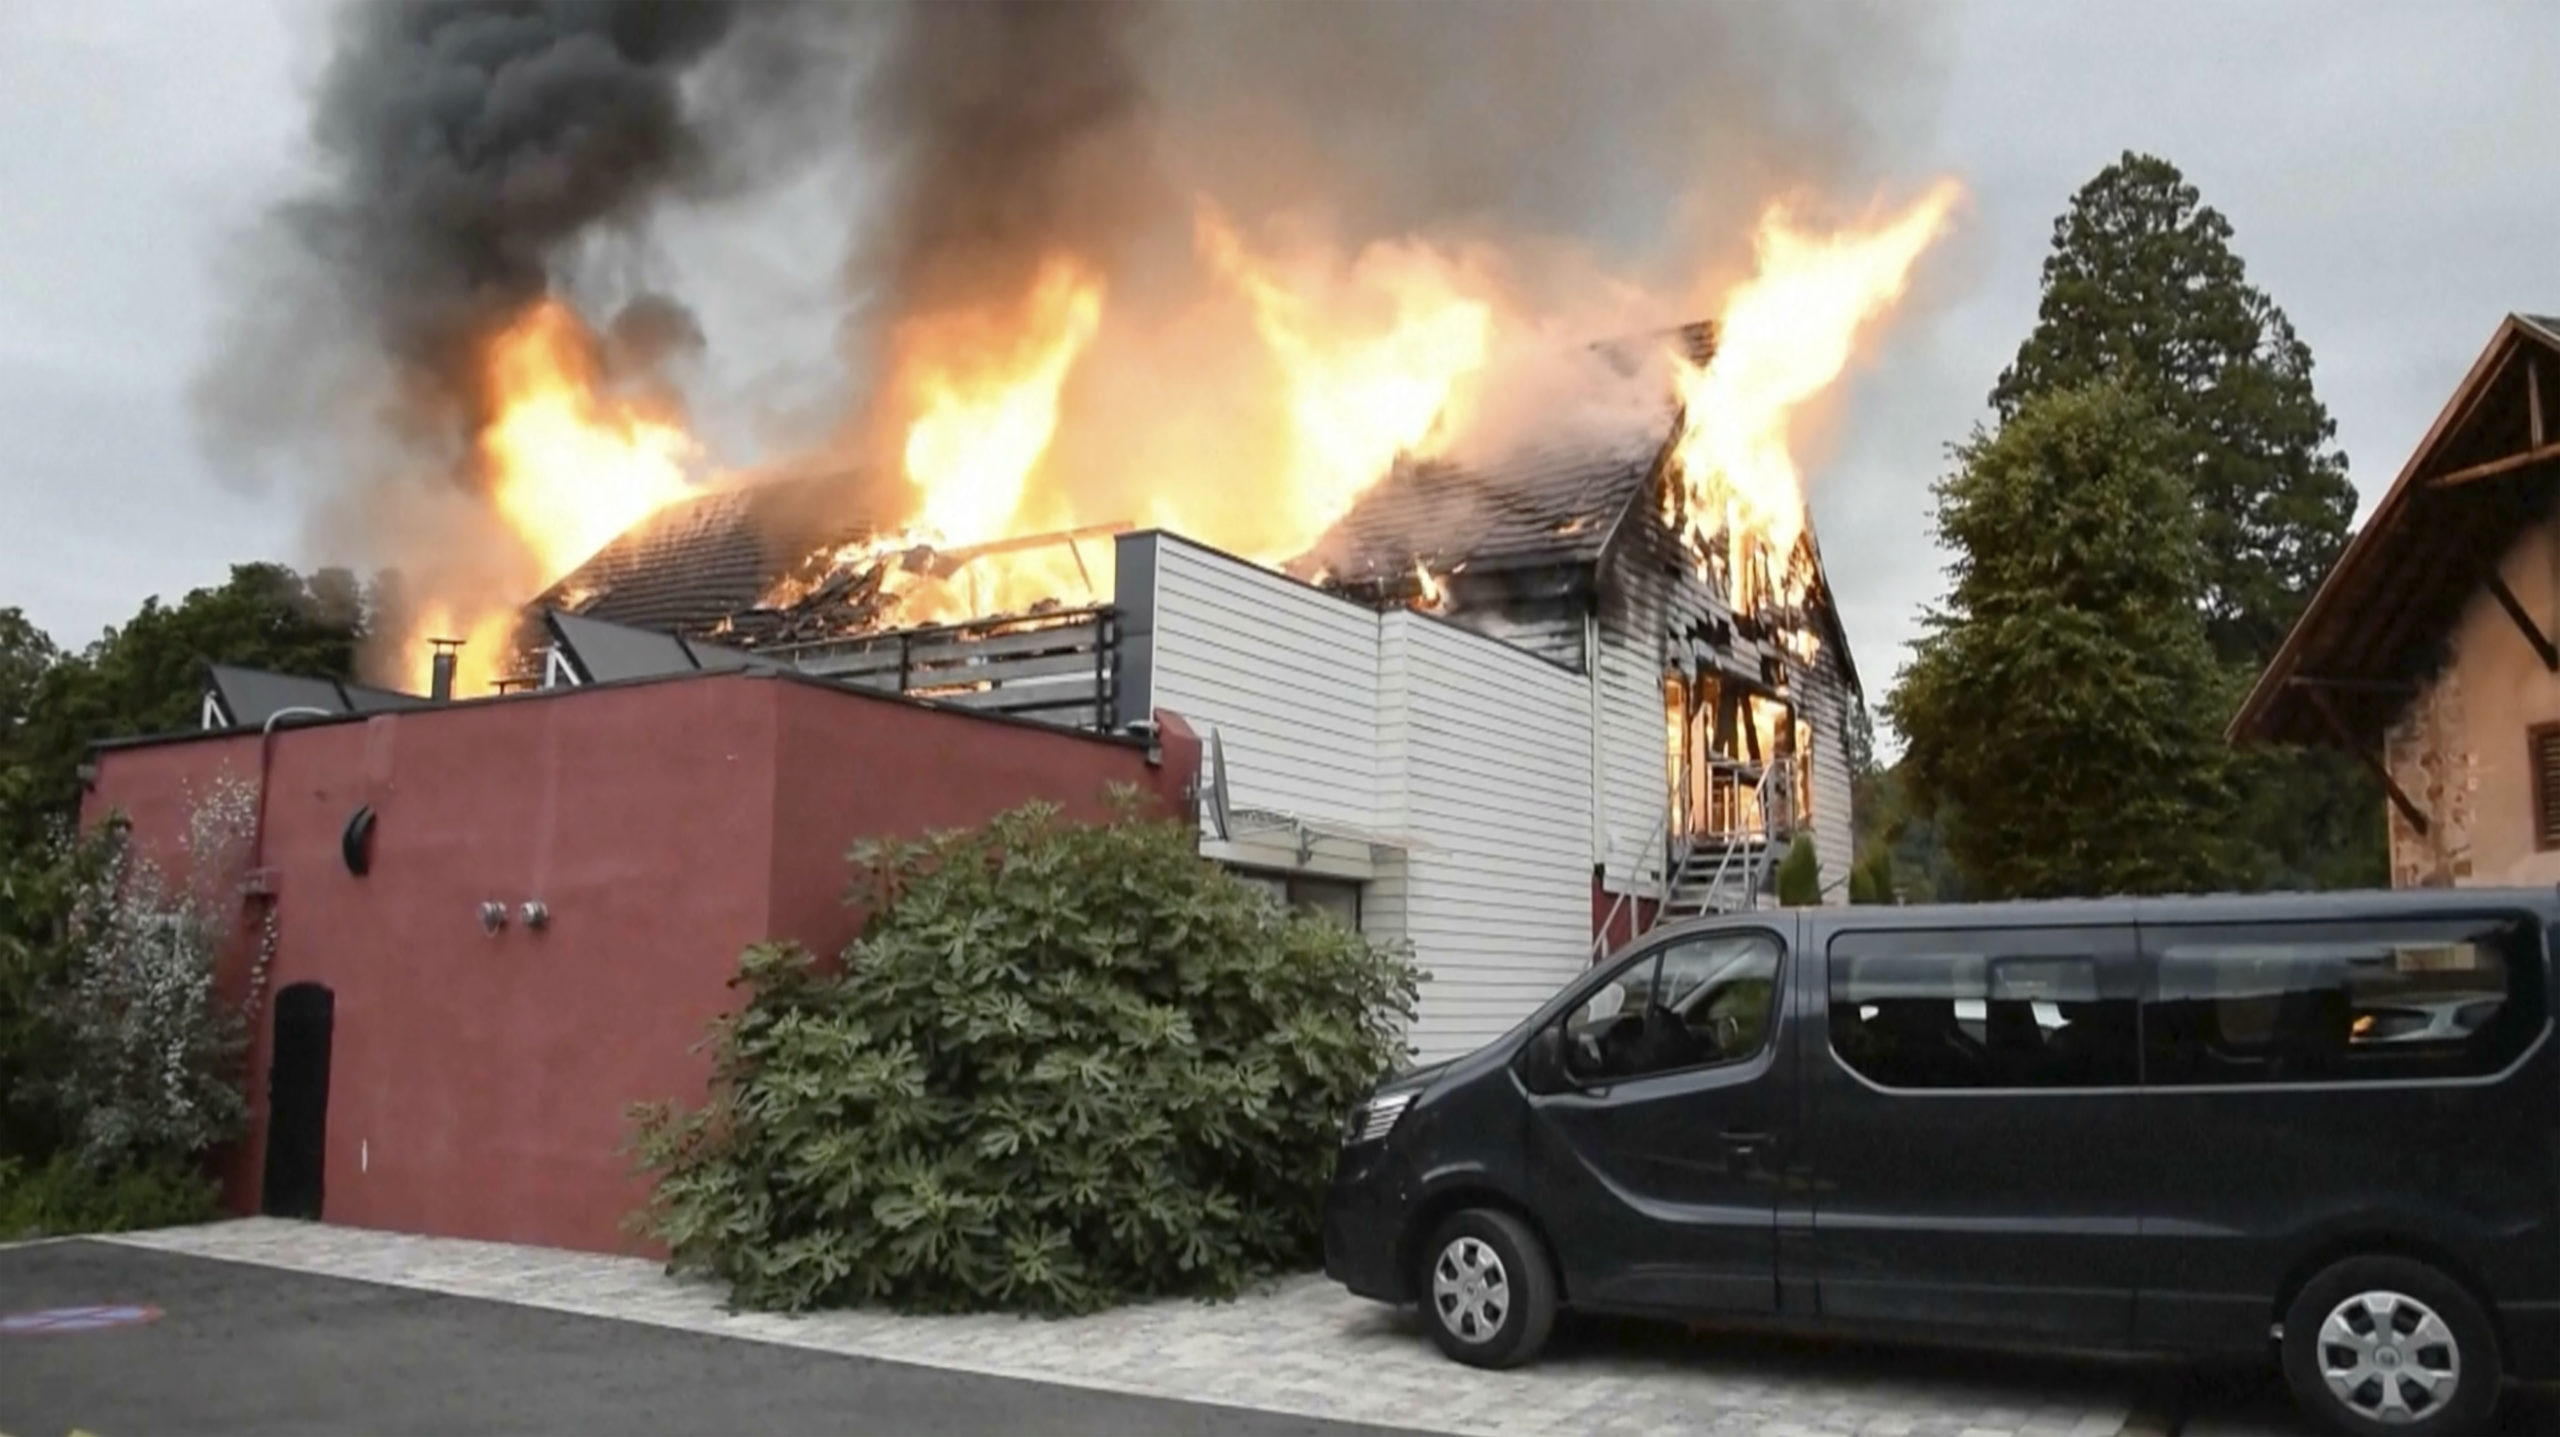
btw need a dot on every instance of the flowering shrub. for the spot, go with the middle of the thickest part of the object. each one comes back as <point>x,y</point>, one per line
<point>1063,1067</point>
<point>154,1064</point>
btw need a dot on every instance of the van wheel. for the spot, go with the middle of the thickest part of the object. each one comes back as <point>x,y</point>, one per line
<point>1487,1290</point>
<point>2384,1344</point>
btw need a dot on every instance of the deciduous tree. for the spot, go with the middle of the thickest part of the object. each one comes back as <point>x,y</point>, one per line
<point>2060,712</point>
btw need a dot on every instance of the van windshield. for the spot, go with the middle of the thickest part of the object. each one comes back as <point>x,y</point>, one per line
<point>1704,1000</point>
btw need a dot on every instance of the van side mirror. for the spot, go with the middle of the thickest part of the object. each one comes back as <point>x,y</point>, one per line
<point>1542,1062</point>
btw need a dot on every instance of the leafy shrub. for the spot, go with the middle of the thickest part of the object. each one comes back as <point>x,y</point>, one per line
<point>1800,874</point>
<point>1872,880</point>
<point>154,1068</point>
<point>65,1195</point>
<point>42,893</point>
<point>1064,1066</point>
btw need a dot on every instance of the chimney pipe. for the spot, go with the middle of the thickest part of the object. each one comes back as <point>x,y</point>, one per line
<point>440,670</point>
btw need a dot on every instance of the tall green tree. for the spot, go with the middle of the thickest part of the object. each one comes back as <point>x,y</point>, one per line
<point>147,676</point>
<point>2060,713</point>
<point>2143,287</point>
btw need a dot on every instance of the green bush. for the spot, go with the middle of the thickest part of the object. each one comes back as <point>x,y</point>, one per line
<point>1872,880</point>
<point>1800,874</point>
<point>1064,1066</point>
<point>64,1195</point>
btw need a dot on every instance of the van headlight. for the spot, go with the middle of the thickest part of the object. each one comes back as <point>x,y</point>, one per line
<point>1377,1117</point>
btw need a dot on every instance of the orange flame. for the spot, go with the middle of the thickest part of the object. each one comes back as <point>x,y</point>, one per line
<point>570,466</point>
<point>573,465</point>
<point>1432,592</point>
<point>1360,392</point>
<point>1784,336</point>
<point>986,401</point>
<point>985,396</point>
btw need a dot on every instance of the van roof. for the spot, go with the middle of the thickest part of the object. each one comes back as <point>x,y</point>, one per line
<point>2181,908</point>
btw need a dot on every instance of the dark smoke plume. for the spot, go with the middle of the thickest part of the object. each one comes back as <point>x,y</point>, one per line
<point>1603,164</point>
<point>472,148</point>
<point>1015,132</point>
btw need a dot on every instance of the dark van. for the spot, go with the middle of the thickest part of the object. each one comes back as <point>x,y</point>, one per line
<point>2321,1126</point>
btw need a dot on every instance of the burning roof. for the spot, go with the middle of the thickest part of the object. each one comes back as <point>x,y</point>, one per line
<point>700,560</point>
<point>1539,509</point>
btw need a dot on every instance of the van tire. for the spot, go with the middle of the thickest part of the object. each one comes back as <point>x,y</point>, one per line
<point>2356,1290</point>
<point>1487,1289</point>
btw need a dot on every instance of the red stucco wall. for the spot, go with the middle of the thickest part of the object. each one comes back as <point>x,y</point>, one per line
<point>479,1083</point>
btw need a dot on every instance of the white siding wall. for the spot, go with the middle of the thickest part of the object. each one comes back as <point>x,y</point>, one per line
<point>1471,758</point>
<point>1835,831</point>
<point>1635,779</point>
<point>1498,790</point>
<point>1287,676</point>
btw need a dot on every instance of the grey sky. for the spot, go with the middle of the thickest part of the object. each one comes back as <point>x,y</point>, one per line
<point>2374,159</point>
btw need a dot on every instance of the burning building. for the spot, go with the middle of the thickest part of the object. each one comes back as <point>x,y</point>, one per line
<point>1509,712</point>
<point>1164,390</point>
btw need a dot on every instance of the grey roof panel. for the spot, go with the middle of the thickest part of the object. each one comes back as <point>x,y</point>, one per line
<point>604,652</point>
<point>715,658</point>
<point>252,696</point>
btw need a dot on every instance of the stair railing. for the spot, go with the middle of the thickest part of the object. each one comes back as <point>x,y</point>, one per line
<point>1737,859</point>
<point>1659,842</point>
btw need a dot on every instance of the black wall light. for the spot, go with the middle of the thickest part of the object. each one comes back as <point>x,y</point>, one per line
<point>356,844</point>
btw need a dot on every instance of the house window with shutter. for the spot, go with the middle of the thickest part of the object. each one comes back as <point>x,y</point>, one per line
<point>2542,755</point>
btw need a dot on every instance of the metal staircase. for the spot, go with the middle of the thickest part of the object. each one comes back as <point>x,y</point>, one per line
<point>1726,867</point>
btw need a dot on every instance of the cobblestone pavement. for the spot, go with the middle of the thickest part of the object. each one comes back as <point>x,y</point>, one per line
<point>1303,1347</point>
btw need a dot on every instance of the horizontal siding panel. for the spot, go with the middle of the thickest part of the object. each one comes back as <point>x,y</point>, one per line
<point>1285,676</point>
<point>1834,821</point>
<point>1458,761</point>
<point>1636,782</point>
<point>1478,751</point>
<point>1220,659</point>
<point>1497,781</point>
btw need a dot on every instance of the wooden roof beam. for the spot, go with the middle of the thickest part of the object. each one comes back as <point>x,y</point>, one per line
<point>2495,467</point>
<point>2352,685</point>
<point>2507,600</point>
<point>2347,740</point>
<point>2533,404</point>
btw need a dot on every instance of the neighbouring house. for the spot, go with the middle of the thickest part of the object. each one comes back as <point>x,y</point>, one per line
<point>2432,649</point>
<point>1510,713</point>
<point>497,923</point>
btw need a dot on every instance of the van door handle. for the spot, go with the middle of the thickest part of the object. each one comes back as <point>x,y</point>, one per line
<point>1745,1142</point>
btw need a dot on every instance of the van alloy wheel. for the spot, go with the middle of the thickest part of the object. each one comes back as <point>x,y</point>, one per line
<point>2381,1345</point>
<point>1489,1287</point>
<point>2389,1357</point>
<point>1470,1292</point>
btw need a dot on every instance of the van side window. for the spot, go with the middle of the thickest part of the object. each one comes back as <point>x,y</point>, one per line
<point>2333,1002</point>
<point>1698,1002</point>
<point>1960,1010</point>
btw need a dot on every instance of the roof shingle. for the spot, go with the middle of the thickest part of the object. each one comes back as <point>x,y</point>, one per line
<point>1540,508</point>
<point>702,559</point>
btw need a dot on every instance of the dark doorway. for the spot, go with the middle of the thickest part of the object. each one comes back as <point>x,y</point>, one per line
<point>298,1101</point>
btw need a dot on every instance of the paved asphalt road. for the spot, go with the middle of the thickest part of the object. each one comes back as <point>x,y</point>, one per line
<point>249,1349</point>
